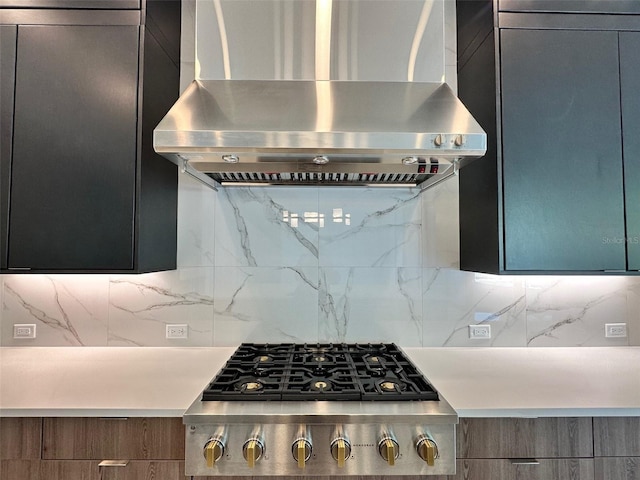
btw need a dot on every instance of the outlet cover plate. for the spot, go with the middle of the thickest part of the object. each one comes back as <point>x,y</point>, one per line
<point>177,331</point>
<point>615,330</point>
<point>480,332</point>
<point>24,330</point>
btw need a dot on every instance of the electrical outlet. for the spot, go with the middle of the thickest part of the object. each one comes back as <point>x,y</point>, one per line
<point>615,330</point>
<point>480,331</point>
<point>178,331</point>
<point>24,330</point>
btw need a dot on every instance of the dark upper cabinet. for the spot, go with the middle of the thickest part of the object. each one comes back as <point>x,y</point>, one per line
<point>630,102</point>
<point>84,190</point>
<point>555,96</point>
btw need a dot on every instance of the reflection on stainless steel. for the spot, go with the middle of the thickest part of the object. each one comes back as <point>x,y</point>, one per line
<point>330,409</point>
<point>314,132</point>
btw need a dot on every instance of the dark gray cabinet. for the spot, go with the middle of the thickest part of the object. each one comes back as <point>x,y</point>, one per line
<point>558,96</point>
<point>82,189</point>
<point>630,102</point>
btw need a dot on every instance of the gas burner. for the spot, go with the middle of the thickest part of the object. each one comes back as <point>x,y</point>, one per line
<point>322,371</point>
<point>320,385</point>
<point>249,386</point>
<point>391,386</point>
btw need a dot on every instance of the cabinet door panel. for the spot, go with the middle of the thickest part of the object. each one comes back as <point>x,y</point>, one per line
<point>113,439</point>
<point>616,436</point>
<point>562,153</point>
<point>562,469</point>
<point>20,438</point>
<point>617,468</point>
<point>8,36</point>
<point>162,470</point>
<point>74,150</point>
<point>524,437</point>
<point>630,85</point>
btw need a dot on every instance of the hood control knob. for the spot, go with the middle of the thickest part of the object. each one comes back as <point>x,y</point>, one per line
<point>213,451</point>
<point>301,450</point>
<point>427,449</point>
<point>252,450</point>
<point>340,450</point>
<point>438,140</point>
<point>389,450</point>
<point>459,140</point>
<point>231,158</point>
<point>320,160</point>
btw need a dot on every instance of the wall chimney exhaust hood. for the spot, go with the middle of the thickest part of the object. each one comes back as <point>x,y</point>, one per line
<point>323,92</point>
<point>279,132</point>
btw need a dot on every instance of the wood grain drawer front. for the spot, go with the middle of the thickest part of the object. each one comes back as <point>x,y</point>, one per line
<point>525,437</point>
<point>560,469</point>
<point>139,469</point>
<point>617,468</point>
<point>49,470</point>
<point>115,439</point>
<point>616,436</point>
<point>20,438</point>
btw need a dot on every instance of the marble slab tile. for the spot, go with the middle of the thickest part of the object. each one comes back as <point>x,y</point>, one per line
<point>140,307</point>
<point>440,225</point>
<point>196,219</point>
<point>371,305</point>
<point>370,227</point>
<point>572,311</point>
<point>453,300</point>
<point>265,304</point>
<point>267,227</point>
<point>633,310</point>
<point>68,310</point>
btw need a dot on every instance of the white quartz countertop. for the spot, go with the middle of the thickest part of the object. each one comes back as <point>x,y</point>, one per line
<point>477,382</point>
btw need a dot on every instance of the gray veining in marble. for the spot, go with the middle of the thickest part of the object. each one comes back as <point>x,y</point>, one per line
<point>360,304</point>
<point>266,227</point>
<point>140,307</point>
<point>67,310</point>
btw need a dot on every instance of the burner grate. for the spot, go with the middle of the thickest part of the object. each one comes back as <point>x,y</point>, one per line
<point>366,372</point>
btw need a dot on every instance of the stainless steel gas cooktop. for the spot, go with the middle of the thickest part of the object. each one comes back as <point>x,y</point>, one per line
<point>322,409</point>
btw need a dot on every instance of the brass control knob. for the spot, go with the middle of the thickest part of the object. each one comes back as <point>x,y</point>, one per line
<point>427,450</point>
<point>301,450</point>
<point>389,450</point>
<point>252,450</point>
<point>213,451</point>
<point>340,450</point>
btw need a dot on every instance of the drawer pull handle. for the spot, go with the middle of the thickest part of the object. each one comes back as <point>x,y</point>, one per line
<point>524,461</point>
<point>113,463</point>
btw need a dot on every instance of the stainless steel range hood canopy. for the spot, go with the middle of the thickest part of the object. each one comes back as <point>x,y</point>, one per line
<point>241,132</point>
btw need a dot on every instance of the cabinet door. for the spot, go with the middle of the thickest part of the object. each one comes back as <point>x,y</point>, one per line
<point>8,36</point>
<point>616,436</point>
<point>113,439</point>
<point>159,470</point>
<point>562,153</point>
<point>74,148</point>
<point>524,437</point>
<point>560,469</point>
<point>20,438</point>
<point>630,84</point>
<point>617,468</point>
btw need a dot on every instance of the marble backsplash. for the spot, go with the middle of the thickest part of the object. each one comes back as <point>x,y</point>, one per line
<point>318,265</point>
